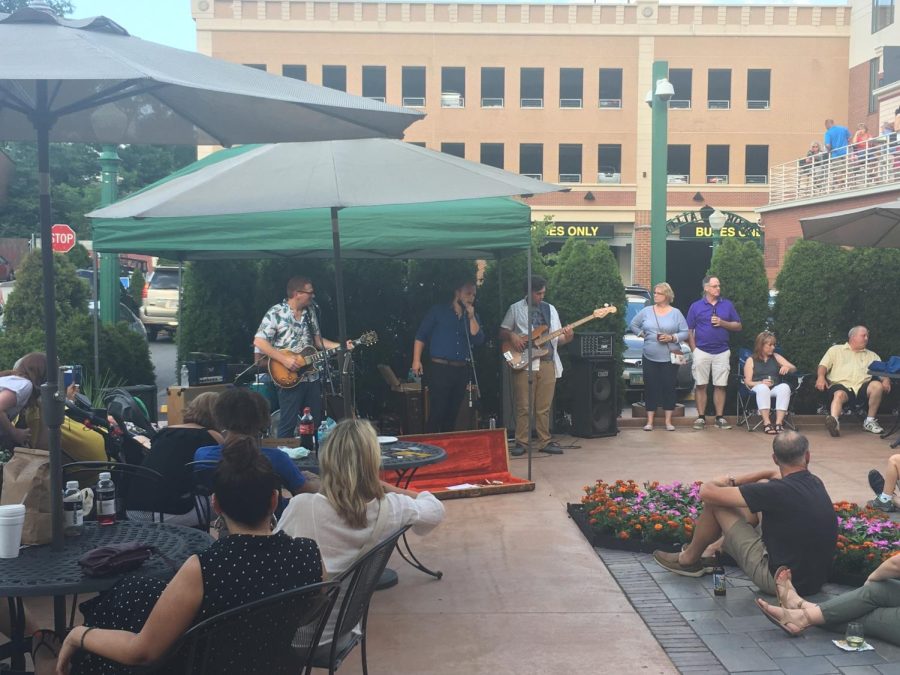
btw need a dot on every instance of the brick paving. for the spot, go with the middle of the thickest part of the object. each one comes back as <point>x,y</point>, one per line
<point>704,634</point>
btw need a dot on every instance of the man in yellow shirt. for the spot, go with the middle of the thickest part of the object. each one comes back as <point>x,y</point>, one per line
<point>844,374</point>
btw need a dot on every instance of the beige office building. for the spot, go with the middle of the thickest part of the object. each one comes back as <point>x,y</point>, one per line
<point>558,91</point>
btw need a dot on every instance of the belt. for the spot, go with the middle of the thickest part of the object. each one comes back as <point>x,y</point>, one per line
<point>448,362</point>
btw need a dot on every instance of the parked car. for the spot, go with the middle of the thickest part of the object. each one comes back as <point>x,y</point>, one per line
<point>6,270</point>
<point>159,310</point>
<point>636,298</point>
<point>126,315</point>
<point>124,296</point>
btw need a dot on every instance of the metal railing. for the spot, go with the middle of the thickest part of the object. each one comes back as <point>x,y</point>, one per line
<point>875,163</point>
<point>570,103</point>
<point>614,103</point>
<point>492,102</point>
<point>531,103</point>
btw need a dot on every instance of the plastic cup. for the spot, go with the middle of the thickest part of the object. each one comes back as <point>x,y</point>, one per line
<point>12,518</point>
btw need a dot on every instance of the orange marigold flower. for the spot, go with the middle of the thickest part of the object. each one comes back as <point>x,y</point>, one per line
<point>637,526</point>
<point>657,527</point>
<point>672,523</point>
<point>623,535</point>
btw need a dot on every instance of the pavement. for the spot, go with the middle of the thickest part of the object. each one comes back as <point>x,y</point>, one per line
<point>524,592</point>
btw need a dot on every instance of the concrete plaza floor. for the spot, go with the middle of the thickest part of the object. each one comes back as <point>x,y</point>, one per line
<point>523,591</point>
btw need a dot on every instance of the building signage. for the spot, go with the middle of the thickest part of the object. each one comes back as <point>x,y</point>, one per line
<point>695,225</point>
<point>584,230</point>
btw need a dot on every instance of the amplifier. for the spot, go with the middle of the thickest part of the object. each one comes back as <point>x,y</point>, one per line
<point>204,369</point>
<point>593,346</point>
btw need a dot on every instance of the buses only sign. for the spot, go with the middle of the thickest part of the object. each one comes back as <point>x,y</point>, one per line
<point>63,238</point>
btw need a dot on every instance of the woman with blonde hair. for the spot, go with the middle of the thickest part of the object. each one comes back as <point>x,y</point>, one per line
<point>355,509</point>
<point>663,328</point>
<point>764,371</point>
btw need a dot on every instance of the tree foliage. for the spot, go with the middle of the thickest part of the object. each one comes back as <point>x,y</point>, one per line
<point>740,268</point>
<point>25,309</point>
<point>874,277</point>
<point>61,7</point>
<point>136,286</point>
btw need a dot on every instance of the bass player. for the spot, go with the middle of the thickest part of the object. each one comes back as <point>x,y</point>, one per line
<point>291,324</point>
<point>515,326</point>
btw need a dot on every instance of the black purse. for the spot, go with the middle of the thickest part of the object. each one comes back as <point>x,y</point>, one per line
<point>107,561</point>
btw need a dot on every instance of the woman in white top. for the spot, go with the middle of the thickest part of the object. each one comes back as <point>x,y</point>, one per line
<point>341,518</point>
<point>19,388</point>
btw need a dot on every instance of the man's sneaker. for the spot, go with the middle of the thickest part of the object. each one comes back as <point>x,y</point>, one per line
<point>552,448</point>
<point>833,426</point>
<point>700,424</point>
<point>669,561</point>
<point>873,426</point>
<point>708,562</point>
<point>876,482</point>
<point>722,423</point>
<point>887,507</point>
<point>517,451</point>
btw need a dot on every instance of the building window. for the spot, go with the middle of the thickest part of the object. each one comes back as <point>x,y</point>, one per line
<point>610,87</point>
<point>882,14</point>
<point>413,86</point>
<point>571,87</point>
<point>257,66</point>
<point>718,89</point>
<point>531,160</point>
<point>374,82</point>
<point>455,149</point>
<point>334,77</point>
<point>756,165</point>
<point>295,71</point>
<point>492,154</point>
<point>421,144</point>
<point>609,163</point>
<point>493,83</point>
<point>453,87</point>
<point>531,88</point>
<point>873,85</point>
<point>759,88</point>
<point>717,163</point>
<point>678,163</point>
<point>570,162</point>
<point>681,79</point>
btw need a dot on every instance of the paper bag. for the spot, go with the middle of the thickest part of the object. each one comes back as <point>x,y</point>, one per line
<point>26,480</point>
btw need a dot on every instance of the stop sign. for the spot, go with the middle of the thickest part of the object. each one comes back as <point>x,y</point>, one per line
<point>63,238</point>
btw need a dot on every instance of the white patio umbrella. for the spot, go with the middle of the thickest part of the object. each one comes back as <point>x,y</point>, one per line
<point>89,81</point>
<point>871,226</point>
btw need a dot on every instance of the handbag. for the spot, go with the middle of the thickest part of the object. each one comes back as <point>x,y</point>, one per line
<point>676,356</point>
<point>107,561</point>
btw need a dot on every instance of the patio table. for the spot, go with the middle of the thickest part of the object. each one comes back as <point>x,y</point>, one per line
<point>40,571</point>
<point>403,458</point>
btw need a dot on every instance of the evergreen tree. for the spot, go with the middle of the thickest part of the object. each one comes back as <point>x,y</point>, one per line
<point>25,307</point>
<point>136,286</point>
<point>740,268</point>
<point>874,276</point>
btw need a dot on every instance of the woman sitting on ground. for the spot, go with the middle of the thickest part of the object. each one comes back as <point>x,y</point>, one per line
<point>764,373</point>
<point>140,619</point>
<point>876,605</point>
<point>246,413</point>
<point>172,449</point>
<point>342,517</point>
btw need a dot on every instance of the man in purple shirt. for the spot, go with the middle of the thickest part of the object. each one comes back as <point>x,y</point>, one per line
<point>710,320</point>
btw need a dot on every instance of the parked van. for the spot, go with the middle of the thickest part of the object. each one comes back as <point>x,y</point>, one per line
<point>159,309</point>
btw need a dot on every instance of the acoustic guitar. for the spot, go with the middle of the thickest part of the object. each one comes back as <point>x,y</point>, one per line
<point>518,360</point>
<point>311,358</point>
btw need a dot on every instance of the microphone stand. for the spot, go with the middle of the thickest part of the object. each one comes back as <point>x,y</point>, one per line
<point>473,376</point>
<point>324,368</point>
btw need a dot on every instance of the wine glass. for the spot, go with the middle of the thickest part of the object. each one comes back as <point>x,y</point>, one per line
<point>855,635</point>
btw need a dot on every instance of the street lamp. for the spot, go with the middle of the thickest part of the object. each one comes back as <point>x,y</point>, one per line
<point>716,222</point>
<point>658,100</point>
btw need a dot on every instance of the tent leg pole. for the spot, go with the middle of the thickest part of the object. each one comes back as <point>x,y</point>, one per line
<point>346,385</point>
<point>52,410</point>
<point>530,369</point>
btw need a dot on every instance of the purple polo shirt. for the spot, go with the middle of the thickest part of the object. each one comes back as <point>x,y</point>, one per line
<point>711,339</point>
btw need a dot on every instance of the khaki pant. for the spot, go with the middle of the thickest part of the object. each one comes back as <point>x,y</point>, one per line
<point>543,386</point>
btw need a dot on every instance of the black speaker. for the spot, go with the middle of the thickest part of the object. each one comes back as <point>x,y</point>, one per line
<point>594,400</point>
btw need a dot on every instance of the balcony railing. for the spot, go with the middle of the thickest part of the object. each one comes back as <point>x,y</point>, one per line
<point>873,164</point>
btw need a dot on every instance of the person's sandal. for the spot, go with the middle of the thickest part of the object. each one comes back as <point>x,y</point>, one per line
<point>781,591</point>
<point>779,428</point>
<point>46,640</point>
<point>770,429</point>
<point>792,628</point>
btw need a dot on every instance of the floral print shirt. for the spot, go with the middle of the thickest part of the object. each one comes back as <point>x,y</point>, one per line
<point>281,329</point>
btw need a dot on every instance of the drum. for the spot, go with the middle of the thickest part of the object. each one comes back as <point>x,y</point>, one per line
<point>268,391</point>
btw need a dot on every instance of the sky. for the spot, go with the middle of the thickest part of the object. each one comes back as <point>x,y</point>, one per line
<point>169,22</point>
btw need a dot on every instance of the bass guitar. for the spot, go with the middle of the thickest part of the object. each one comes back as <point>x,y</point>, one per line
<point>311,357</point>
<point>518,360</point>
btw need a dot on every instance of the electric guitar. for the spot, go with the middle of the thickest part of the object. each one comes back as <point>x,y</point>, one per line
<point>518,360</point>
<point>311,357</point>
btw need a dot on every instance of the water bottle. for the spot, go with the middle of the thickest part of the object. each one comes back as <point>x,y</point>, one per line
<point>185,376</point>
<point>306,429</point>
<point>414,376</point>
<point>719,577</point>
<point>322,433</point>
<point>106,500</point>
<point>73,510</point>
<point>492,422</point>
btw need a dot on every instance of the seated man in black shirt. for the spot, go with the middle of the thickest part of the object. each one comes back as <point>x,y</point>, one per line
<point>799,528</point>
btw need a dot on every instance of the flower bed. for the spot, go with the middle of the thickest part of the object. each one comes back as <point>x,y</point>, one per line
<point>625,515</point>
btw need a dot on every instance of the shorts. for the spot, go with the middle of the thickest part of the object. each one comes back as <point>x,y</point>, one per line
<point>854,399</point>
<point>744,543</point>
<point>706,367</point>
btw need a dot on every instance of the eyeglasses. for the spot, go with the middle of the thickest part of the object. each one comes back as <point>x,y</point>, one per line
<point>307,292</point>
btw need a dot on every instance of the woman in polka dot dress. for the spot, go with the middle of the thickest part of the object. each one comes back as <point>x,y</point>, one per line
<point>138,620</point>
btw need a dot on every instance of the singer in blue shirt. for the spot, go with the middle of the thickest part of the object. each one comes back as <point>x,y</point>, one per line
<point>448,329</point>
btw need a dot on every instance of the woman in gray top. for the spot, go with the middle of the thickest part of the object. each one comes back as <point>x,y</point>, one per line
<point>663,328</point>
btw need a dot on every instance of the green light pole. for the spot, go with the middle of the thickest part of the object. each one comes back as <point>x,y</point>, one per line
<point>109,262</point>
<point>658,98</point>
<point>717,222</point>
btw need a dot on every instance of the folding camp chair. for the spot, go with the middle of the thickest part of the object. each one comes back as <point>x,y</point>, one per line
<point>747,411</point>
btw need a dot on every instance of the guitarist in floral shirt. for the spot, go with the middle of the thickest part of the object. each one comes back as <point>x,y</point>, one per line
<point>291,324</point>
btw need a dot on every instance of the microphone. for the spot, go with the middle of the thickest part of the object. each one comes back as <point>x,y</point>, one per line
<point>313,303</point>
